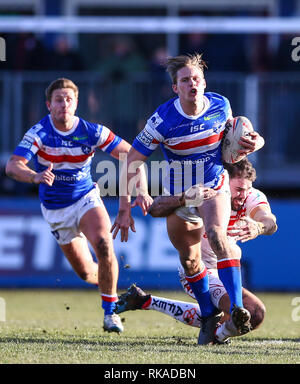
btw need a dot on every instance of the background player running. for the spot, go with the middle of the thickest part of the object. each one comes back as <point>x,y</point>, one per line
<point>189,129</point>
<point>251,216</point>
<point>62,146</point>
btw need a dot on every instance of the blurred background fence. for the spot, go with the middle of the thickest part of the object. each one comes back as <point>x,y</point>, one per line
<point>113,51</point>
<point>271,101</point>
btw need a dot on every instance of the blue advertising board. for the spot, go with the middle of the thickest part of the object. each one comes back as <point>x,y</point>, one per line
<point>30,256</point>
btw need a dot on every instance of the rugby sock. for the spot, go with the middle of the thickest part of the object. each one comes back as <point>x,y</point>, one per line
<point>187,313</point>
<point>226,330</point>
<point>230,274</point>
<point>147,304</point>
<point>200,286</point>
<point>109,303</point>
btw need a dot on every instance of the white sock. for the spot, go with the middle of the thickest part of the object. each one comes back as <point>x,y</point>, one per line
<point>187,313</point>
<point>226,330</point>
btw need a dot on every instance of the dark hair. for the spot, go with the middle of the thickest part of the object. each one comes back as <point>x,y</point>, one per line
<point>60,84</point>
<point>241,169</point>
<point>174,64</point>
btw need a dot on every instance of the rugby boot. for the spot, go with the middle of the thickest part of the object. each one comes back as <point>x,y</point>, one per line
<point>241,319</point>
<point>208,328</point>
<point>133,299</point>
<point>237,325</point>
<point>112,323</point>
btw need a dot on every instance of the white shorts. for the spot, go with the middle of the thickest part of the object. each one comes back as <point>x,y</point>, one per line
<point>216,287</point>
<point>64,222</point>
<point>191,214</point>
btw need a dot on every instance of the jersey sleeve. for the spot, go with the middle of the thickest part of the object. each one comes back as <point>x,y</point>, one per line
<point>149,138</point>
<point>107,140</point>
<point>227,109</point>
<point>254,199</point>
<point>29,145</point>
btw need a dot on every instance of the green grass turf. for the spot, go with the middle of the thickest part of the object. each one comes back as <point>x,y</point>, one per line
<point>65,327</point>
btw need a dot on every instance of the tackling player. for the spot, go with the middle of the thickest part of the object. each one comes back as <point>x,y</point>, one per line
<point>251,216</point>
<point>62,146</point>
<point>189,129</point>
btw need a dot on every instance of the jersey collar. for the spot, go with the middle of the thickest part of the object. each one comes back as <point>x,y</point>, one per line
<point>76,121</point>
<point>192,117</point>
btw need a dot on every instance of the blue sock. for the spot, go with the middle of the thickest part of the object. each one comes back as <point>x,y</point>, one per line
<point>200,286</point>
<point>230,274</point>
<point>109,303</point>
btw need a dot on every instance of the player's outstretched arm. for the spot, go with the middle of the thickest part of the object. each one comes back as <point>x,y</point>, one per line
<point>261,222</point>
<point>17,169</point>
<point>143,199</point>
<point>262,214</point>
<point>163,206</point>
<point>128,179</point>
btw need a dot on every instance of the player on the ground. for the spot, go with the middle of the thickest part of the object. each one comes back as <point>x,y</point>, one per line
<point>62,146</point>
<point>251,216</point>
<point>189,129</point>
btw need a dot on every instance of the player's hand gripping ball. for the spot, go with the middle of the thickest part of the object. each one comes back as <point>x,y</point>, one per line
<point>235,128</point>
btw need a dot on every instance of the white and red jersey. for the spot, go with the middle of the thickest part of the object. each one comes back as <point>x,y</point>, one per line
<point>254,198</point>
<point>70,153</point>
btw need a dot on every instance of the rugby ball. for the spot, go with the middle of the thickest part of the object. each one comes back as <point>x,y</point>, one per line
<point>235,128</point>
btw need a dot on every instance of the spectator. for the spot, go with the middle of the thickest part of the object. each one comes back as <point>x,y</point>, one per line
<point>123,60</point>
<point>63,57</point>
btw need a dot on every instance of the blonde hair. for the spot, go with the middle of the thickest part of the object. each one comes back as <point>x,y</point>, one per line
<point>60,84</point>
<point>174,64</point>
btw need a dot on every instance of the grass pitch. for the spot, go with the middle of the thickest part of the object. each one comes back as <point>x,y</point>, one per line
<point>65,327</point>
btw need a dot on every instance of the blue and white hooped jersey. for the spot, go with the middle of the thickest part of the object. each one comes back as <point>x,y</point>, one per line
<point>191,144</point>
<point>70,153</point>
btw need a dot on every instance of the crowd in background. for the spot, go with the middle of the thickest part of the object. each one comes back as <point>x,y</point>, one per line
<point>119,55</point>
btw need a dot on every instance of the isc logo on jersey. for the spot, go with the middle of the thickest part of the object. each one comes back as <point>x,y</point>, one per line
<point>196,128</point>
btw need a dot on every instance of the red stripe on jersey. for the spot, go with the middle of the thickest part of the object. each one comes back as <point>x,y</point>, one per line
<point>197,143</point>
<point>36,144</point>
<point>199,276</point>
<point>228,263</point>
<point>64,158</point>
<point>154,141</point>
<point>234,219</point>
<point>110,138</point>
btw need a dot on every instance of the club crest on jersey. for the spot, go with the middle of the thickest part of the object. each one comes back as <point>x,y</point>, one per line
<point>86,149</point>
<point>155,120</point>
<point>217,126</point>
